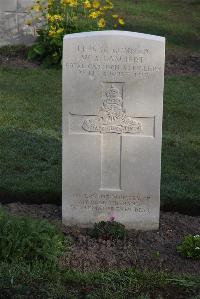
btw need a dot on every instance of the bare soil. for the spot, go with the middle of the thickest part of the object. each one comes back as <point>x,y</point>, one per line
<point>185,65</point>
<point>142,250</point>
<point>175,64</point>
<point>16,58</point>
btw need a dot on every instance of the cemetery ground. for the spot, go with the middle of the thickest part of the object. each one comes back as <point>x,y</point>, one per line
<point>31,173</point>
<point>144,264</point>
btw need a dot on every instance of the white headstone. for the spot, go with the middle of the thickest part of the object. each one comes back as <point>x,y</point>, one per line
<point>112,128</point>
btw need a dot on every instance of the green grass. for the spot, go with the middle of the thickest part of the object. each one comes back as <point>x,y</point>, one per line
<point>30,268</point>
<point>177,20</point>
<point>30,134</point>
<point>19,280</point>
<point>28,247</point>
<point>30,131</point>
<point>181,144</point>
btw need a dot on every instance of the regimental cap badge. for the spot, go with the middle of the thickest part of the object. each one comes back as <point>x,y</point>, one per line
<point>113,96</point>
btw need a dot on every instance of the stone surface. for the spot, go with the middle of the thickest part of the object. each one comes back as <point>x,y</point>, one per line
<point>8,5</point>
<point>24,5</point>
<point>112,128</point>
<point>13,30</point>
<point>8,27</point>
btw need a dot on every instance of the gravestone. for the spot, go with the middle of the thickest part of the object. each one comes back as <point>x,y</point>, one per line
<point>112,128</point>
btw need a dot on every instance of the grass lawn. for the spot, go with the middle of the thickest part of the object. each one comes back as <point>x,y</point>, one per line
<point>19,280</point>
<point>30,156</point>
<point>177,20</point>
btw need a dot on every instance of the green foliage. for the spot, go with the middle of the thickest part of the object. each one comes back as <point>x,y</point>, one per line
<point>29,240</point>
<point>19,280</point>
<point>190,247</point>
<point>108,230</point>
<point>46,50</point>
<point>53,19</point>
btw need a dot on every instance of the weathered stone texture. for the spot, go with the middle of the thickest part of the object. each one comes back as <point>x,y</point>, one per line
<point>112,128</point>
<point>13,30</point>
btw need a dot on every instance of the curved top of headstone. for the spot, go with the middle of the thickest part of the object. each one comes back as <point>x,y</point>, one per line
<point>115,33</point>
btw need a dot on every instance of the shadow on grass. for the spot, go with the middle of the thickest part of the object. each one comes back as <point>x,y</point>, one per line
<point>30,167</point>
<point>31,171</point>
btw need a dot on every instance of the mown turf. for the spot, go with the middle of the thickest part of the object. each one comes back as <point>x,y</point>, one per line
<point>177,20</point>
<point>30,156</point>
<point>30,133</point>
<point>19,280</point>
<point>181,145</point>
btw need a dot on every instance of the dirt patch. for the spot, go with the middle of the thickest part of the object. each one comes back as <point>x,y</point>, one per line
<point>17,62</point>
<point>174,64</point>
<point>16,57</point>
<point>143,250</point>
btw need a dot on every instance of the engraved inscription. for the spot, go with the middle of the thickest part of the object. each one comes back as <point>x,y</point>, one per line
<point>111,202</point>
<point>96,59</point>
<point>111,117</point>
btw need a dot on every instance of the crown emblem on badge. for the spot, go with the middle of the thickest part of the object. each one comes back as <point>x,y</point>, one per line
<point>111,117</point>
<point>113,96</point>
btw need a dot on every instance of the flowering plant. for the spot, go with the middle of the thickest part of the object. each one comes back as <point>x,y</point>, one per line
<point>108,230</point>
<point>55,18</point>
<point>190,247</point>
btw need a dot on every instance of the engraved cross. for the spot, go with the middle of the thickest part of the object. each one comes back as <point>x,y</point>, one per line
<point>112,123</point>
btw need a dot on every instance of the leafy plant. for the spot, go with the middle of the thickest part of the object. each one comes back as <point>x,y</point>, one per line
<point>29,240</point>
<point>55,18</point>
<point>108,230</point>
<point>190,247</point>
<point>19,280</point>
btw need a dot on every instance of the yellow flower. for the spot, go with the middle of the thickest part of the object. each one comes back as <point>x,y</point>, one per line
<point>50,18</point>
<point>51,33</point>
<point>105,7</point>
<point>58,17</point>
<point>115,16</point>
<point>110,4</point>
<point>87,4</point>
<point>73,3</point>
<point>121,21</point>
<point>93,15</point>
<point>101,23</point>
<point>53,28</point>
<point>60,30</point>
<point>95,4</point>
<point>36,7</point>
<point>28,22</point>
<point>65,2</point>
